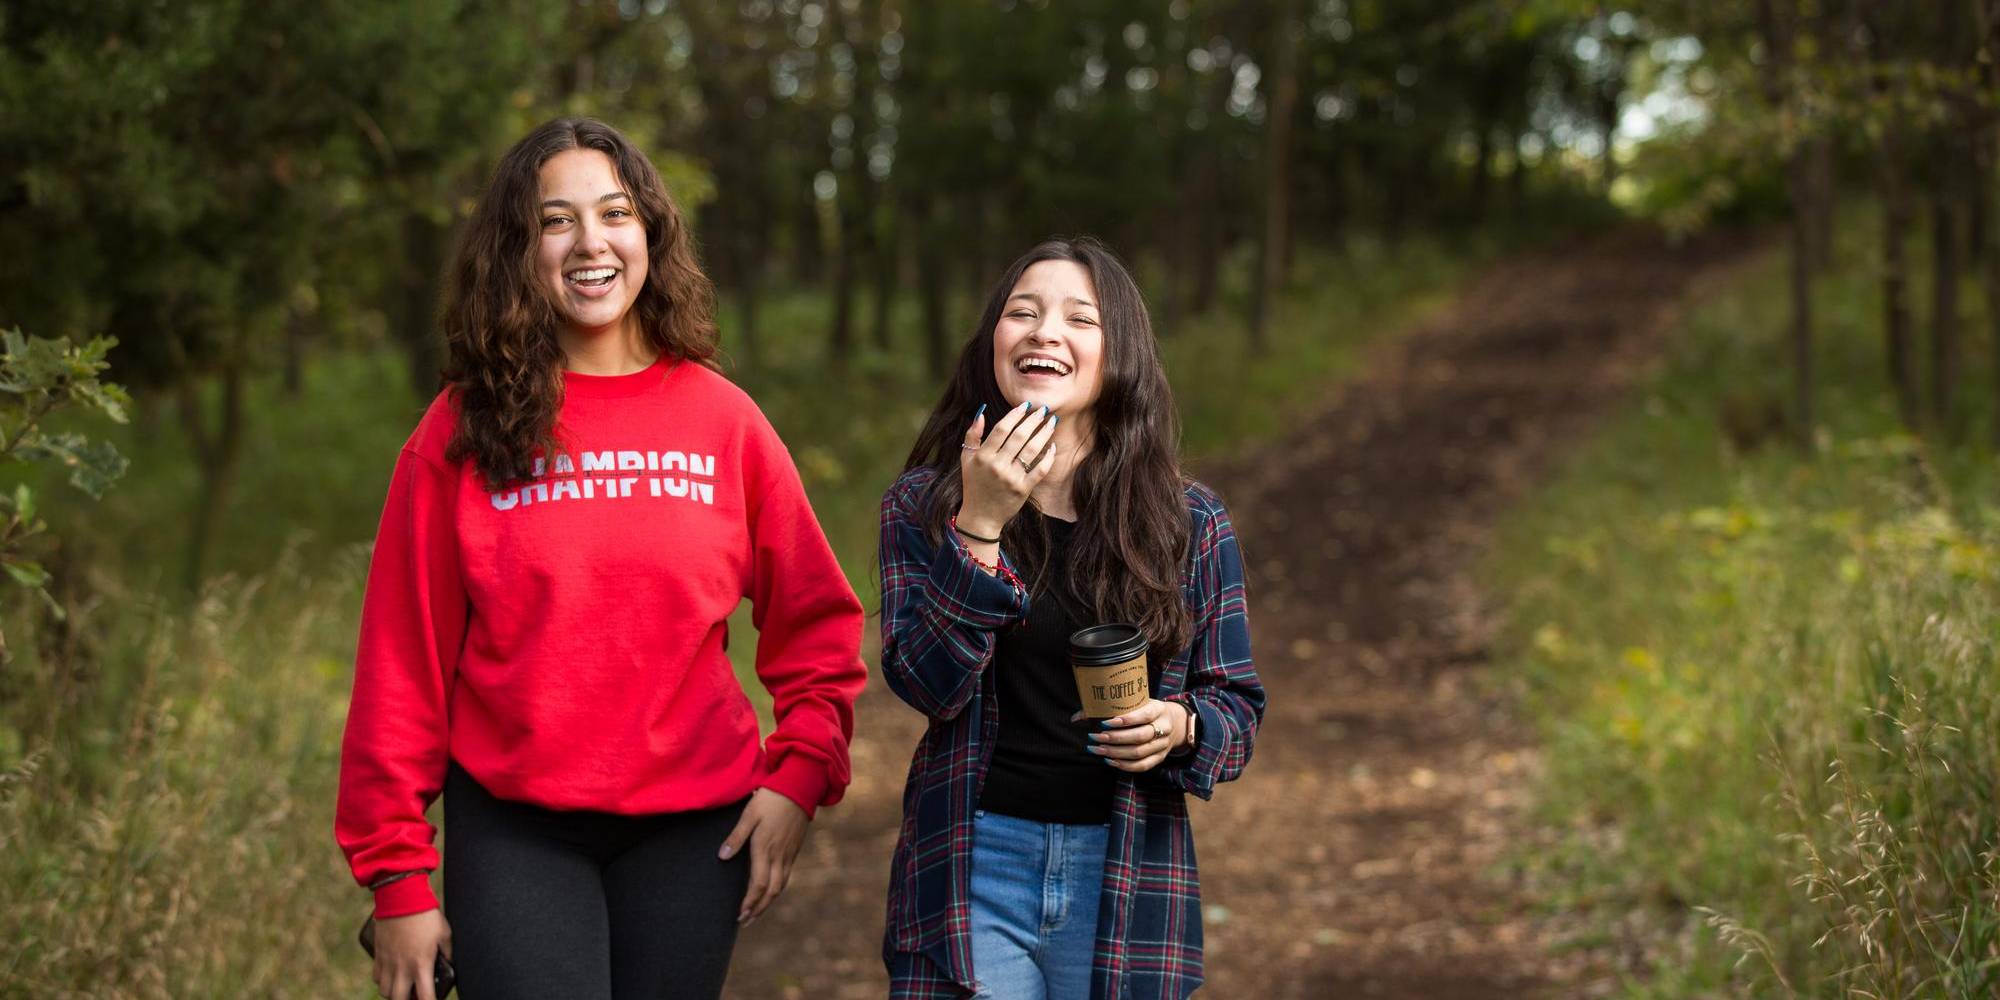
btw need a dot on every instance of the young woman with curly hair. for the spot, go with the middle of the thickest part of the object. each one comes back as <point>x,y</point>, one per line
<point>1045,856</point>
<point>542,640</point>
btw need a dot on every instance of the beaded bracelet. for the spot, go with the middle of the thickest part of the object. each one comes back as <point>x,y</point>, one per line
<point>994,568</point>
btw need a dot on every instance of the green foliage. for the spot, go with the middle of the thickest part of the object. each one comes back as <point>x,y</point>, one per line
<point>312,472</point>
<point>217,168</point>
<point>1766,680</point>
<point>38,378</point>
<point>1701,178</point>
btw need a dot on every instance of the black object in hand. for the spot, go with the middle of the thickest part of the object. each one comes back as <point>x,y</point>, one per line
<point>443,978</point>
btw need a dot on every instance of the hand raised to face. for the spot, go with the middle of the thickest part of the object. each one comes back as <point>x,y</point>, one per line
<point>999,469</point>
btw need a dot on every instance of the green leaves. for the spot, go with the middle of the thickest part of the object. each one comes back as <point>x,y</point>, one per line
<point>46,373</point>
<point>93,466</point>
<point>37,377</point>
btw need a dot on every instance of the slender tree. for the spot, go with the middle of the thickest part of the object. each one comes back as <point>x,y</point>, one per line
<point>1780,23</point>
<point>1281,105</point>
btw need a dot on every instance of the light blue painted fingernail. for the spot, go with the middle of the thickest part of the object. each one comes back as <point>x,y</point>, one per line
<point>976,414</point>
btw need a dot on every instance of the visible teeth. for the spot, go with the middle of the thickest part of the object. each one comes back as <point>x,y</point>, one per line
<point>1053,366</point>
<point>594,274</point>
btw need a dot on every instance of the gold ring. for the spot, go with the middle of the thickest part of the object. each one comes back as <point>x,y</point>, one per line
<point>1160,730</point>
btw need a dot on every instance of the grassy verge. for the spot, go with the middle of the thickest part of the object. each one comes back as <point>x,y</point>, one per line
<point>166,788</point>
<point>1767,681</point>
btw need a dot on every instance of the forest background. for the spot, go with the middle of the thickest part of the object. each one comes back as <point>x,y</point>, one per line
<point>1757,620</point>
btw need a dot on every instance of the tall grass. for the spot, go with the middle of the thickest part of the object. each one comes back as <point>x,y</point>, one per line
<point>1770,683</point>
<point>168,837</point>
<point>166,788</point>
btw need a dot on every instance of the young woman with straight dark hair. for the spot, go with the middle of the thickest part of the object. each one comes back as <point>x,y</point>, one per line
<point>1043,855</point>
<point>542,640</point>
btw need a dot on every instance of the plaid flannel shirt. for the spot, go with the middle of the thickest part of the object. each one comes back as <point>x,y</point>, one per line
<point>940,614</point>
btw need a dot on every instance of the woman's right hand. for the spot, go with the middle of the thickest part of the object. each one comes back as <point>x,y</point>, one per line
<point>406,950</point>
<point>1000,470</point>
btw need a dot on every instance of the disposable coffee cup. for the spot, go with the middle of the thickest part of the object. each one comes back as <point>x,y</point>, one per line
<point>1110,666</point>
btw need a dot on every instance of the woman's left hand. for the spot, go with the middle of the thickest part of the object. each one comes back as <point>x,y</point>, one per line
<point>1141,738</point>
<point>775,827</point>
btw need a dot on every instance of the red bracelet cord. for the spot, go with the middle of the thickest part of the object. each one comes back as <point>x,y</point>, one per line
<point>993,567</point>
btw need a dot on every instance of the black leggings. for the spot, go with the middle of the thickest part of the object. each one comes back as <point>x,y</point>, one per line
<point>588,905</point>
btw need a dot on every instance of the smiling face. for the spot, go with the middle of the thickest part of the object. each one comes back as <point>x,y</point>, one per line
<point>592,255</point>
<point>1048,348</point>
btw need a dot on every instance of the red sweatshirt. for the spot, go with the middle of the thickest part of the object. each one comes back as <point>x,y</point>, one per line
<point>563,640</point>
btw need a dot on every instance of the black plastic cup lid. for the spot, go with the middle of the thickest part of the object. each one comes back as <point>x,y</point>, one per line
<point>1102,645</point>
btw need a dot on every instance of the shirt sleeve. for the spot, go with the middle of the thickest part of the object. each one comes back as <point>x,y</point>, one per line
<point>808,633</point>
<point>393,754</point>
<point>1222,687</point>
<point>940,611</point>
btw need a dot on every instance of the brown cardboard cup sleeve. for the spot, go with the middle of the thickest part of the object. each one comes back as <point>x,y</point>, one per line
<point>1110,666</point>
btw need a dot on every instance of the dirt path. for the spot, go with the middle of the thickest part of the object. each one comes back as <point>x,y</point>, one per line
<point>1359,856</point>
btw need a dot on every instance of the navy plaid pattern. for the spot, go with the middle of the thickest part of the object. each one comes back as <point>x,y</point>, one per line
<point>939,617</point>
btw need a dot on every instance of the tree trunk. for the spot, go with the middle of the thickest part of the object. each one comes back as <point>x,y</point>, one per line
<point>726,70</point>
<point>293,373</point>
<point>1896,320</point>
<point>1820,202</point>
<point>1209,235</point>
<point>1801,288</point>
<point>1482,171</point>
<point>1176,242</point>
<point>1988,138</point>
<point>1892,187</point>
<point>840,343</point>
<point>856,194</point>
<point>1986,160</point>
<point>1210,225</point>
<point>933,258</point>
<point>216,450</point>
<point>1607,112</point>
<point>416,327</point>
<point>1779,28</point>
<point>744,269</point>
<point>807,248</point>
<point>859,247</point>
<point>1517,178</point>
<point>1945,265</point>
<point>974,249</point>
<point>1283,98</point>
<point>1977,221</point>
<point>888,259</point>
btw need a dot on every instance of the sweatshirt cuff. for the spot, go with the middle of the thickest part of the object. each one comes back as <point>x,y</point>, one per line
<point>404,897</point>
<point>803,780</point>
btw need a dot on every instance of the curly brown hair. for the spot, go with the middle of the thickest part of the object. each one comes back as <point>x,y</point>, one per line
<point>505,365</point>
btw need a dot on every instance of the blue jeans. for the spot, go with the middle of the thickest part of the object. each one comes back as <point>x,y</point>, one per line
<point>1034,906</point>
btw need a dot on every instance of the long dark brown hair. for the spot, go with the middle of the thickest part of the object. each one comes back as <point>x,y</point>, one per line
<point>500,322</point>
<point>1133,523</point>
